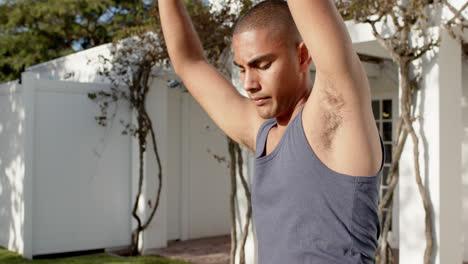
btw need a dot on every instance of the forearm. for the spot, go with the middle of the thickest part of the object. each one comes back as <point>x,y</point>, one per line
<point>325,34</point>
<point>182,41</point>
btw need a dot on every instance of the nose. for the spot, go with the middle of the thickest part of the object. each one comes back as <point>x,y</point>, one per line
<point>250,81</point>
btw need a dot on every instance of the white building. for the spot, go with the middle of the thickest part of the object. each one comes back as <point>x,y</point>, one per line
<point>67,184</point>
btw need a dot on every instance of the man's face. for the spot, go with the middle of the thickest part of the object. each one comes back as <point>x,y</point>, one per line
<point>269,71</point>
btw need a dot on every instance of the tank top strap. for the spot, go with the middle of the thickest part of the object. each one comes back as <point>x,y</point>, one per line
<point>262,136</point>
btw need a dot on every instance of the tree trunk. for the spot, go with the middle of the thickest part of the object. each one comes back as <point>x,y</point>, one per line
<point>136,231</point>
<point>232,154</point>
<point>158,160</point>
<point>237,164</point>
<point>248,216</point>
<point>408,118</point>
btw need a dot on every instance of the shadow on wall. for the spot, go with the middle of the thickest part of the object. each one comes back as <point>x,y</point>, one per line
<point>426,64</point>
<point>77,67</point>
<point>464,103</point>
<point>12,117</point>
<point>410,199</point>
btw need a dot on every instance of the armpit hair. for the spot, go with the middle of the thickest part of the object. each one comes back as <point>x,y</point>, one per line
<point>332,115</point>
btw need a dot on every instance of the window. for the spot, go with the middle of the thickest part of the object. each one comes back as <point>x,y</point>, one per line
<point>384,119</point>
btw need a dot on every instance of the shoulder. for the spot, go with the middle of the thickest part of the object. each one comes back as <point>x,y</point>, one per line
<point>259,128</point>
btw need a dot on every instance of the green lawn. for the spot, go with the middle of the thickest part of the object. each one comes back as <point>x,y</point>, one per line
<point>7,257</point>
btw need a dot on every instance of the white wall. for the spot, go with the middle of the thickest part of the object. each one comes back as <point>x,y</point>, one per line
<point>208,179</point>
<point>186,146</point>
<point>156,105</point>
<point>465,159</point>
<point>81,179</point>
<point>82,66</point>
<point>196,187</point>
<point>174,164</point>
<point>77,67</point>
<point>81,184</point>
<point>12,116</point>
<point>450,127</point>
<point>440,158</point>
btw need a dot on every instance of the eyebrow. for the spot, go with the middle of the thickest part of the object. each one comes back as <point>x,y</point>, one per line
<point>256,60</point>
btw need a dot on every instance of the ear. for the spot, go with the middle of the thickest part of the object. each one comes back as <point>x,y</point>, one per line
<point>304,57</point>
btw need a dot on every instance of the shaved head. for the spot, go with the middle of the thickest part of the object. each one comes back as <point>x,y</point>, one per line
<point>273,15</point>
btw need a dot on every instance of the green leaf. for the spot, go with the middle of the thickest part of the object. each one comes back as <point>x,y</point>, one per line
<point>92,96</point>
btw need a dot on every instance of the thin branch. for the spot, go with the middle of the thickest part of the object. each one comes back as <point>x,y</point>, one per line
<point>419,52</point>
<point>383,42</point>
<point>457,13</point>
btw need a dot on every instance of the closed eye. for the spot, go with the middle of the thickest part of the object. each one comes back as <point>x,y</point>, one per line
<point>265,67</point>
<point>240,67</point>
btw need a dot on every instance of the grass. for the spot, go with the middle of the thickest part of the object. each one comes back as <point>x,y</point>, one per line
<point>8,257</point>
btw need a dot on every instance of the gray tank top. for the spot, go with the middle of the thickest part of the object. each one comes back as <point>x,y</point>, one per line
<point>304,212</point>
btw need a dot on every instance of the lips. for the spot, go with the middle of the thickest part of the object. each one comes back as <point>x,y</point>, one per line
<point>260,100</point>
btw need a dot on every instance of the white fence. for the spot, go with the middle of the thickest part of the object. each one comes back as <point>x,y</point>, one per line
<point>81,172</point>
<point>67,179</point>
<point>12,129</point>
<point>68,184</point>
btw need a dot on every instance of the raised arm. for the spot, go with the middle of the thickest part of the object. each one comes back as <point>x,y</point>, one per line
<point>347,140</point>
<point>233,113</point>
<point>325,35</point>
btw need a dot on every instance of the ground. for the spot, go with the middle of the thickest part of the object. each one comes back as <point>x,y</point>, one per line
<point>7,257</point>
<point>212,250</point>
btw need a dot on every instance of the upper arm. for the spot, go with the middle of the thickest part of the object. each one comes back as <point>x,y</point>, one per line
<point>325,35</point>
<point>347,139</point>
<point>232,112</point>
<point>338,68</point>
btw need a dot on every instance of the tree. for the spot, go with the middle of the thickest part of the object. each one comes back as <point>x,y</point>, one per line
<point>135,60</point>
<point>129,76</point>
<point>457,24</point>
<point>236,166</point>
<point>34,31</point>
<point>406,21</point>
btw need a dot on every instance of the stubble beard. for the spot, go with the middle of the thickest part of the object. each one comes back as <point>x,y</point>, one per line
<point>266,112</point>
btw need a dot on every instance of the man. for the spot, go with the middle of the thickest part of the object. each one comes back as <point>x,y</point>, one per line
<point>318,151</point>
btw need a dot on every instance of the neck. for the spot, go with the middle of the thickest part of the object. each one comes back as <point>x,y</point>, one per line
<point>284,119</point>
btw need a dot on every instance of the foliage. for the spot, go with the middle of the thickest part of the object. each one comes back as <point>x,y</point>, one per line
<point>402,21</point>
<point>7,257</point>
<point>34,31</point>
<point>458,23</point>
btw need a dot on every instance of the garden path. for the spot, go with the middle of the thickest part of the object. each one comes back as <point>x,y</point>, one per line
<point>212,250</point>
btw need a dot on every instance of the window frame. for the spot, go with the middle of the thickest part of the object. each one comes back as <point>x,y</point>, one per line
<point>383,96</point>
